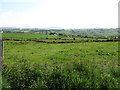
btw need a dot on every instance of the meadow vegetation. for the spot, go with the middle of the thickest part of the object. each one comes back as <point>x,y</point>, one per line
<point>64,59</point>
<point>29,64</point>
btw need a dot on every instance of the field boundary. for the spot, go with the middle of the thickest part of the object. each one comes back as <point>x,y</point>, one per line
<point>62,41</point>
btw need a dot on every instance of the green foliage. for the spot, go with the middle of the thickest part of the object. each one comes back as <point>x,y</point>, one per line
<point>22,75</point>
<point>91,33</point>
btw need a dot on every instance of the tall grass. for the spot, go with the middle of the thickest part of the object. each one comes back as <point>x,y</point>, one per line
<point>24,75</point>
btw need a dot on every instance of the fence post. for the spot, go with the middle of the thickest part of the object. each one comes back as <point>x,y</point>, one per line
<point>1,59</point>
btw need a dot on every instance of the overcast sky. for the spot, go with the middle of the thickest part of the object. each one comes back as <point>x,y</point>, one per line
<point>59,13</point>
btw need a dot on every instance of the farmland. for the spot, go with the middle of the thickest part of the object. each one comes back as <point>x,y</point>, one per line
<point>31,64</point>
<point>26,36</point>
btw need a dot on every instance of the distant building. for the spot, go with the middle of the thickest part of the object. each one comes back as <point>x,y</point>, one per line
<point>53,34</point>
<point>105,37</point>
<point>1,32</point>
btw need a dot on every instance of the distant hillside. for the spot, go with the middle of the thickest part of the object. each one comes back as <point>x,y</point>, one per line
<point>84,33</point>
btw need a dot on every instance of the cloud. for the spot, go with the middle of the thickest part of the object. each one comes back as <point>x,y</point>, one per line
<point>19,0</point>
<point>61,13</point>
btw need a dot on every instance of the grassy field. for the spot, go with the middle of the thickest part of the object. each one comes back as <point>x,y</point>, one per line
<point>39,51</point>
<point>40,36</point>
<point>26,36</point>
<point>29,64</point>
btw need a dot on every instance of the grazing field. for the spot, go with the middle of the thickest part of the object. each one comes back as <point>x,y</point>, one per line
<point>29,64</point>
<point>53,38</point>
<point>26,36</point>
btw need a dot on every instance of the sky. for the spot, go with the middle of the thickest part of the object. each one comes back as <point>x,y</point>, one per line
<point>59,13</point>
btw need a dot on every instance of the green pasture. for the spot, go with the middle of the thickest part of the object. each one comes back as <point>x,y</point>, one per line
<point>30,64</point>
<point>48,53</point>
<point>26,36</point>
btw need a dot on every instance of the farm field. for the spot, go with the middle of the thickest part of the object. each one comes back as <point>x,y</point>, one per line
<point>26,36</point>
<point>53,38</point>
<point>59,44</point>
<point>29,64</point>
